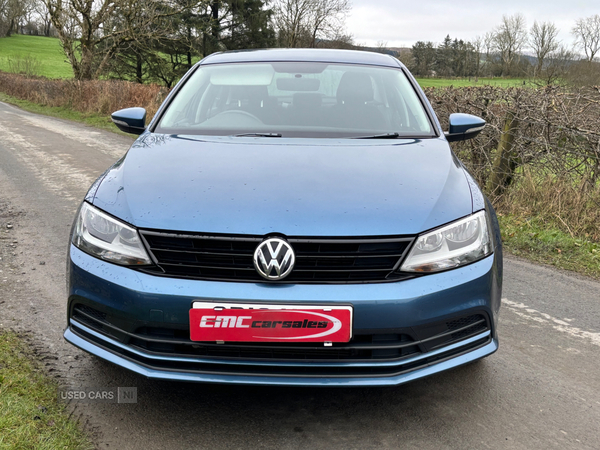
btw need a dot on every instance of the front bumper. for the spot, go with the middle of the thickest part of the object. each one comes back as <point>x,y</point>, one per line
<point>140,321</point>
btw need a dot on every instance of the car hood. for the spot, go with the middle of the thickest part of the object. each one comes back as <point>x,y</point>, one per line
<point>289,186</point>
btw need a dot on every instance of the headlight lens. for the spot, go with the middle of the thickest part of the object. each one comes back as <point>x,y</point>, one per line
<point>459,243</point>
<point>102,236</point>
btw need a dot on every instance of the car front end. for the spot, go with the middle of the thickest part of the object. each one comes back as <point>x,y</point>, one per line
<point>287,255</point>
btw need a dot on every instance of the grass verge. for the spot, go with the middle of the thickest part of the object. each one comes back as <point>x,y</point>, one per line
<point>540,242</point>
<point>30,415</point>
<point>95,120</point>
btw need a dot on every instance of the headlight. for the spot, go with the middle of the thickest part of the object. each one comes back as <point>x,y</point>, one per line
<point>459,243</point>
<point>102,236</point>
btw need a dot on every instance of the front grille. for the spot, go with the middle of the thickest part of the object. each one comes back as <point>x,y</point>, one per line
<point>172,349</point>
<point>331,260</point>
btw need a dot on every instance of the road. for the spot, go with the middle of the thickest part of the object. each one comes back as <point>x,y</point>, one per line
<point>540,390</point>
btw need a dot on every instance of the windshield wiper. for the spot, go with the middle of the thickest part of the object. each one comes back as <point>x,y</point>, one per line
<point>380,136</point>
<point>258,135</point>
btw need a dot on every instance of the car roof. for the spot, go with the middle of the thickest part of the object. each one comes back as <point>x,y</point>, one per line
<point>303,55</point>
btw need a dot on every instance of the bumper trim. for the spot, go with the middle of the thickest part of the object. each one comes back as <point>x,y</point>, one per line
<point>375,380</point>
<point>240,362</point>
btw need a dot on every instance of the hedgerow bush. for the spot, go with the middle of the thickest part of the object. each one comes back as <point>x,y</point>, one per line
<point>551,169</point>
<point>97,96</point>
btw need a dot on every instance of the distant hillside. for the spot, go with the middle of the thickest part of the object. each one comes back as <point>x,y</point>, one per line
<point>44,54</point>
<point>399,50</point>
<point>393,51</point>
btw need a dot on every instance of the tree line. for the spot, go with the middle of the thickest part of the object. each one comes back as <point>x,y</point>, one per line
<point>159,40</point>
<point>511,50</point>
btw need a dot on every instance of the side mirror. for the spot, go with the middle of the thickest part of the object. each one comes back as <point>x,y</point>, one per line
<point>130,120</point>
<point>464,126</point>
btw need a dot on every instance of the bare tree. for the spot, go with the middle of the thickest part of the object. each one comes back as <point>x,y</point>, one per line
<point>557,66</point>
<point>43,17</point>
<point>381,47</point>
<point>477,44</point>
<point>91,31</point>
<point>327,18</point>
<point>543,41</point>
<point>290,21</point>
<point>405,56</point>
<point>341,40</point>
<point>12,12</point>
<point>587,35</point>
<point>488,46</point>
<point>301,23</point>
<point>510,37</point>
<point>3,16</point>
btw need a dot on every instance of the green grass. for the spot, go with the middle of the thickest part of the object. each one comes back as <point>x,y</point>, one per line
<point>94,120</point>
<point>46,50</point>
<point>462,82</point>
<point>30,415</point>
<point>540,242</point>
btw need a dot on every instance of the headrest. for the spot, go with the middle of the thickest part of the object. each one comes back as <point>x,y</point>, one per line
<point>355,88</point>
<point>256,92</point>
<point>304,100</point>
<point>250,93</point>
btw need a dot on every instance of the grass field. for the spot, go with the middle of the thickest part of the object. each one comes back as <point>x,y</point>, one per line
<point>52,60</point>
<point>463,82</point>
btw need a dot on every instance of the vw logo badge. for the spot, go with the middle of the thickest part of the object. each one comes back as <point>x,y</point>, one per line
<point>274,259</point>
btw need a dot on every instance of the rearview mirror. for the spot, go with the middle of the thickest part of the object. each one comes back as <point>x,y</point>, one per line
<point>130,120</point>
<point>298,84</point>
<point>463,127</point>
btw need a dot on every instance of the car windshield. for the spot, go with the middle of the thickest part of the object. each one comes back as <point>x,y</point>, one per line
<point>297,99</point>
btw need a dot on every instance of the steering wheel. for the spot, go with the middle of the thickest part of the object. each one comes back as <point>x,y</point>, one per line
<point>239,112</point>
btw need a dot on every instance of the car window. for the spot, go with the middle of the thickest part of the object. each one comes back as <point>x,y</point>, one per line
<point>296,100</point>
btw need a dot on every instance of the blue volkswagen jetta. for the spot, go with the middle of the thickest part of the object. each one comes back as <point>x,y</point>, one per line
<point>290,217</point>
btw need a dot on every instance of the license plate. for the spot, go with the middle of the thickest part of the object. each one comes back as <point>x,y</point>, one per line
<point>234,322</point>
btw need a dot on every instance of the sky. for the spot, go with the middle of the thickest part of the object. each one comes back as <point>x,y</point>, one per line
<point>401,23</point>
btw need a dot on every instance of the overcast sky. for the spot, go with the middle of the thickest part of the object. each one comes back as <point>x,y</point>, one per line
<point>401,23</point>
